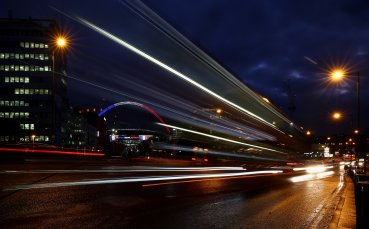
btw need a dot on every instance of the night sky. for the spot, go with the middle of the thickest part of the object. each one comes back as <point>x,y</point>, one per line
<point>265,44</point>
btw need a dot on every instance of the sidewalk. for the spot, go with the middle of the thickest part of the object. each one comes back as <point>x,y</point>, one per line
<point>345,214</point>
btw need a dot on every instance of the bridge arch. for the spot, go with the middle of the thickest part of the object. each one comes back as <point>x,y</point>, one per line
<point>101,114</point>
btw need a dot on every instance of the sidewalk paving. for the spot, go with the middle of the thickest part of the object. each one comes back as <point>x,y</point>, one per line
<point>345,214</point>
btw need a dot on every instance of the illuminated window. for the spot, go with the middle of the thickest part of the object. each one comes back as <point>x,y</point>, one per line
<point>42,45</point>
<point>16,91</point>
<point>22,44</point>
<point>26,44</point>
<point>2,56</point>
<point>21,126</point>
<point>6,79</point>
<point>26,79</point>
<point>26,55</point>
<point>32,45</point>
<point>26,91</point>
<point>37,45</point>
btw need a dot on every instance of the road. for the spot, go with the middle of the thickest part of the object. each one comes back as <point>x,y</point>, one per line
<point>116,195</point>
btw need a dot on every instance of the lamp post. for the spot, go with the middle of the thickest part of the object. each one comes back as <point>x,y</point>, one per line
<point>60,43</point>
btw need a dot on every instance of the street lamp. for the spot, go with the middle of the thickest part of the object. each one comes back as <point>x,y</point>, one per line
<point>60,43</point>
<point>336,115</point>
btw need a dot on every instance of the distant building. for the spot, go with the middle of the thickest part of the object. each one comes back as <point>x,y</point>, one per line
<point>33,83</point>
<point>84,128</point>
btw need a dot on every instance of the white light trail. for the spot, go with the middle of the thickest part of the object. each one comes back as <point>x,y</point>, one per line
<point>128,170</point>
<point>137,179</point>
<point>172,70</point>
<point>220,138</point>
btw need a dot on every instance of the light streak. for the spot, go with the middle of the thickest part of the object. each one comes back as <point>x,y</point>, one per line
<point>311,176</point>
<point>221,138</point>
<point>127,169</point>
<point>314,169</point>
<point>77,153</point>
<point>135,179</point>
<point>172,70</point>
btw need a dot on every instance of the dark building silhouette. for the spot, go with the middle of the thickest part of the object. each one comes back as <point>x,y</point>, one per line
<point>33,83</point>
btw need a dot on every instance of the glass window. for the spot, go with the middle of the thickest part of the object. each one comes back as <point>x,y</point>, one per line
<point>11,115</point>
<point>16,91</point>
<point>26,79</point>
<point>6,67</point>
<point>37,91</point>
<point>16,103</point>
<point>6,114</point>
<point>26,91</point>
<point>16,114</point>
<point>16,79</point>
<point>42,45</point>
<point>21,56</point>
<point>21,103</point>
<point>37,45</point>
<point>6,55</point>
<point>26,55</point>
<point>21,91</point>
<point>46,46</point>
<point>21,44</point>
<point>32,126</point>
<point>26,44</point>
<point>26,114</point>
<point>26,126</point>
<point>21,79</point>
<point>6,103</point>
<point>6,79</point>
<point>46,57</point>
<point>2,56</point>
<point>1,114</point>
<point>32,56</point>
<point>21,126</point>
<point>21,68</point>
<point>16,67</point>
<point>32,45</point>
<point>26,68</point>
<point>11,103</point>
<point>1,102</point>
<point>17,56</point>
<point>31,91</point>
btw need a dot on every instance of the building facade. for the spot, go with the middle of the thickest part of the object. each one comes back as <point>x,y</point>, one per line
<point>33,82</point>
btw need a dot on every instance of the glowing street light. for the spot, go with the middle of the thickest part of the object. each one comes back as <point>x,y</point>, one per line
<point>337,75</point>
<point>219,111</point>
<point>337,115</point>
<point>61,42</point>
<point>308,133</point>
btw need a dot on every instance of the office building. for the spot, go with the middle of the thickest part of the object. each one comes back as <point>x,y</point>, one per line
<point>33,82</point>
